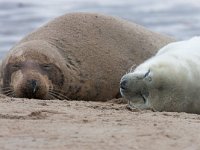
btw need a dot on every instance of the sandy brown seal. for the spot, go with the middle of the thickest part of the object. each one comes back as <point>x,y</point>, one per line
<point>169,81</point>
<point>77,56</point>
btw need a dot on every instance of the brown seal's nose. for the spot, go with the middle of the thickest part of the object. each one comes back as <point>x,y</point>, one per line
<point>32,87</point>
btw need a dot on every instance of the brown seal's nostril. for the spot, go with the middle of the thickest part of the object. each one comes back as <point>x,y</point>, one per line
<point>32,85</point>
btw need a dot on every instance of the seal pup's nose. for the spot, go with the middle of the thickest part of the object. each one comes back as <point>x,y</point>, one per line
<point>123,84</point>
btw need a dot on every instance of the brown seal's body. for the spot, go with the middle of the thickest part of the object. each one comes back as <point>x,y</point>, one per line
<point>79,56</point>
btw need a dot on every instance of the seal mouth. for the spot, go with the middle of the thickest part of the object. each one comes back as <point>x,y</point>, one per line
<point>144,98</point>
<point>141,93</point>
<point>134,87</point>
<point>142,102</point>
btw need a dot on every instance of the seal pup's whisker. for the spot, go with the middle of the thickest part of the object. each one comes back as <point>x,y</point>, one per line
<point>131,69</point>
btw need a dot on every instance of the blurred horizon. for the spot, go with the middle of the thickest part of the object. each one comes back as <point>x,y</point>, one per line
<point>177,18</point>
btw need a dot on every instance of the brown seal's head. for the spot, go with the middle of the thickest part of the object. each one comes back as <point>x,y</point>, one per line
<point>33,70</point>
<point>28,79</point>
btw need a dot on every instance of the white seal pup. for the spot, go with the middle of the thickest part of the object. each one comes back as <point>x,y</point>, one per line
<point>169,81</point>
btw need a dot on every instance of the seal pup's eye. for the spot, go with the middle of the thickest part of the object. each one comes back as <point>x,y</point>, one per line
<point>147,76</point>
<point>147,73</point>
<point>46,67</point>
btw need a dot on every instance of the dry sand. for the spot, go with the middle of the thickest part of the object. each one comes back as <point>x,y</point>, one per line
<point>54,124</point>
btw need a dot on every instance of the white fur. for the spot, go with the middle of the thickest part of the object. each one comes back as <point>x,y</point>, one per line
<point>175,74</point>
<point>175,55</point>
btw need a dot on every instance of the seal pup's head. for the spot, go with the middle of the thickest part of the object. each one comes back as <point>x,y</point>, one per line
<point>32,70</point>
<point>134,87</point>
<point>153,84</point>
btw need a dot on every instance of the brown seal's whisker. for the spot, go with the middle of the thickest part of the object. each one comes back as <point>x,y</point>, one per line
<point>6,88</point>
<point>50,97</point>
<point>61,95</point>
<point>11,94</point>
<point>55,96</point>
<point>58,94</point>
<point>56,90</point>
<point>7,91</point>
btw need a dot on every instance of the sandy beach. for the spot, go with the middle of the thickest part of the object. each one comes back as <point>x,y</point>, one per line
<point>54,124</point>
